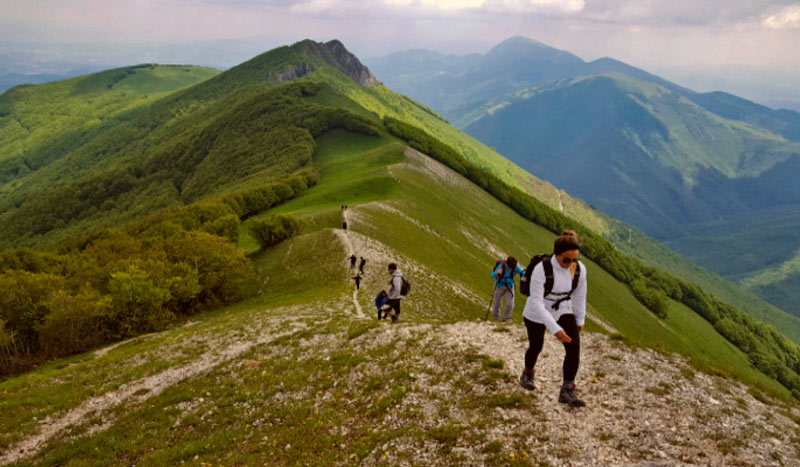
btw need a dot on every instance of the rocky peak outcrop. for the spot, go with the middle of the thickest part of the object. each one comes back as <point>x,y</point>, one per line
<point>335,54</point>
<point>348,63</point>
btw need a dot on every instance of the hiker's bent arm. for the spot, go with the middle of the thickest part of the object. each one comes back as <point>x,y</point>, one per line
<point>579,299</point>
<point>537,300</point>
<point>520,271</point>
<point>496,272</point>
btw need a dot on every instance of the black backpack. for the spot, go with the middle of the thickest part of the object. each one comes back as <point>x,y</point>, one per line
<point>406,287</point>
<point>502,272</point>
<point>525,285</point>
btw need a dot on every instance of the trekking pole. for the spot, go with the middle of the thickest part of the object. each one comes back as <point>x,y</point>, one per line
<point>488,308</point>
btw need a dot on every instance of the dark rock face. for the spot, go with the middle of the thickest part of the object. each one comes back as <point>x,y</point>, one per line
<point>332,53</point>
<point>337,55</point>
<point>293,72</point>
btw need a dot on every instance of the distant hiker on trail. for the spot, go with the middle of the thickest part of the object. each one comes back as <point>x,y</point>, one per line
<point>361,265</point>
<point>398,288</point>
<point>504,287</point>
<point>344,225</point>
<point>382,305</point>
<point>353,259</point>
<point>358,281</point>
<point>562,311</point>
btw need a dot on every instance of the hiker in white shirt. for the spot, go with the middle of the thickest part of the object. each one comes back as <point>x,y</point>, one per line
<point>562,312</point>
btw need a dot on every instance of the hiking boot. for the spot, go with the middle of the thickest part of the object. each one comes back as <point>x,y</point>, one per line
<point>526,381</point>
<point>567,396</point>
<point>394,318</point>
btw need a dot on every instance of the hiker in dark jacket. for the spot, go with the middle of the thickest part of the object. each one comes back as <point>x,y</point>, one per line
<point>361,264</point>
<point>562,312</point>
<point>395,285</point>
<point>504,287</point>
<point>358,281</point>
<point>353,259</point>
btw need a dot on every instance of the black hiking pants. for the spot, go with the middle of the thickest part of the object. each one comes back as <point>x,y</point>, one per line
<point>394,305</point>
<point>536,341</point>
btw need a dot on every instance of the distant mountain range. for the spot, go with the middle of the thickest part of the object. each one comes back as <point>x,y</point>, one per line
<point>712,175</point>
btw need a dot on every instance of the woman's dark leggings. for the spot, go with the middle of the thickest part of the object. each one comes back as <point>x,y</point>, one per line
<point>536,340</point>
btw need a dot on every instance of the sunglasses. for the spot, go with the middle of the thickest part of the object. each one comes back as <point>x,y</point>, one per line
<point>568,260</point>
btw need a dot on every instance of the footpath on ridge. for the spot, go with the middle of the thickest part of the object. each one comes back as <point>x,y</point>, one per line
<point>345,239</point>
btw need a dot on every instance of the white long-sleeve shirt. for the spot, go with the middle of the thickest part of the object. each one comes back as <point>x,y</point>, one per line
<point>540,309</point>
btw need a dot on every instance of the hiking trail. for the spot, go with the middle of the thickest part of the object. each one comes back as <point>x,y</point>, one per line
<point>350,251</point>
<point>560,203</point>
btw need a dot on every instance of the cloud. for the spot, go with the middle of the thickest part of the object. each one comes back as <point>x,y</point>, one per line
<point>448,6</point>
<point>672,13</point>
<point>493,5</point>
<point>788,17</point>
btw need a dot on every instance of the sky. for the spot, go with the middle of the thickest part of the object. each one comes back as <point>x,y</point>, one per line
<point>665,35</point>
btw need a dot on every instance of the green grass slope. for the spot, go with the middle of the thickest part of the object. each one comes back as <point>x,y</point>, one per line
<point>635,243</point>
<point>271,379</point>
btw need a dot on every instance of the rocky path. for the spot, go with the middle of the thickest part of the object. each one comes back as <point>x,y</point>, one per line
<point>345,238</point>
<point>643,408</point>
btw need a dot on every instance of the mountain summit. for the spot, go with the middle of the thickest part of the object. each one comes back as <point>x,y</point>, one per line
<point>336,55</point>
<point>519,48</point>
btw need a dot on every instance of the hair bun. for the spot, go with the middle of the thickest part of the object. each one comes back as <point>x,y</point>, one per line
<point>568,240</point>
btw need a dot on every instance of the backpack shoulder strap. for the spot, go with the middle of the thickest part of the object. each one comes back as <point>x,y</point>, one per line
<point>548,275</point>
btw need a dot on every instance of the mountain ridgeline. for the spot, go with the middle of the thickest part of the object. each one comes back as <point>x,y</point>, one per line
<point>151,210</point>
<point>700,172</point>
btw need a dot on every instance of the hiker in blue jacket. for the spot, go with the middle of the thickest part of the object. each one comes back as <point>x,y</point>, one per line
<point>504,287</point>
<point>381,303</point>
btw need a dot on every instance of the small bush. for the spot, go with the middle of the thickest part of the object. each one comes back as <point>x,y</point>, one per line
<point>504,400</point>
<point>493,363</point>
<point>494,447</point>
<point>275,229</point>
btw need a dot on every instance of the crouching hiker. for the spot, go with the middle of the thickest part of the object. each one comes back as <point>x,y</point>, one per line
<point>556,302</point>
<point>382,305</point>
<point>399,287</point>
<point>504,287</point>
